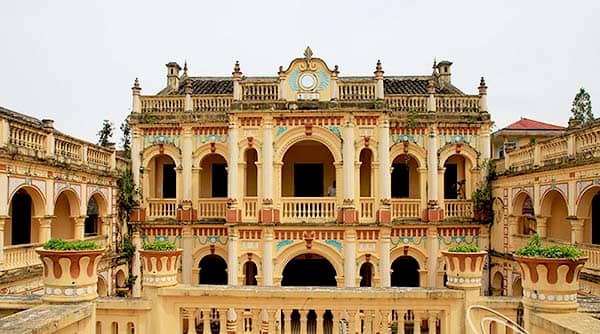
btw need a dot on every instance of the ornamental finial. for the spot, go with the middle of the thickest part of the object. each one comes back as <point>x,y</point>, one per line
<point>308,54</point>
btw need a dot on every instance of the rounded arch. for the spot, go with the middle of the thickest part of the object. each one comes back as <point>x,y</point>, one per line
<point>411,251</point>
<point>548,193</point>
<point>120,278</point>
<point>405,272</point>
<point>367,274</point>
<point>584,202</point>
<point>518,202</point>
<point>245,146</point>
<point>497,284</point>
<point>554,207</point>
<point>517,287</point>
<point>309,269</point>
<point>466,151</point>
<point>167,149</point>
<point>317,248</point>
<point>207,149</point>
<point>250,272</point>
<point>102,286</point>
<point>588,209</point>
<point>101,201</point>
<point>72,199</point>
<point>319,134</point>
<point>213,270</point>
<point>360,148</point>
<point>414,150</point>
<point>209,250</point>
<point>38,200</point>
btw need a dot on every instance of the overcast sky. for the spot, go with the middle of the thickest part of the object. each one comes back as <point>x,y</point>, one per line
<point>75,61</point>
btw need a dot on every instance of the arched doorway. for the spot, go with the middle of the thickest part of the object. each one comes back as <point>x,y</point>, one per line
<point>517,288</point>
<point>455,177</point>
<point>307,170</point>
<point>588,209</point>
<point>309,270</point>
<point>66,210</point>
<point>554,207</point>
<point>251,183</point>
<point>497,284</point>
<point>596,219</point>
<point>366,173</point>
<point>21,210</point>
<point>91,221</point>
<point>250,272</point>
<point>405,272</point>
<point>405,177</point>
<point>162,177</point>
<point>213,270</point>
<point>213,176</point>
<point>524,211</point>
<point>102,287</point>
<point>366,274</point>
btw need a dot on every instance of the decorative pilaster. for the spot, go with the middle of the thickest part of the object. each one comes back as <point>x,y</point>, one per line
<point>135,264</point>
<point>541,225</point>
<point>3,221</point>
<point>350,258</point>
<point>433,244</point>
<point>188,107</point>
<point>232,261</point>
<point>186,237</point>
<point>482,96</point>
<point>334,84</point>
<point>384,257</point>
<point>385,188</point>
<point>282,78</point>
<point>576,229</point>
<point>434,212</point>
<point>347,213</point>
<point>234,214</point>
<point>136,163</point>
<point>79,232</point>
<point>267,262</point>
<point>186,161</point>
<point>45,231</point>
<point>267,213</point>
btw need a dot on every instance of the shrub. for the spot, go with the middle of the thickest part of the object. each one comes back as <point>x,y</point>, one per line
<point>62,245</point>
<point>159,245</point>
<point>464,248</point>
<point>535,248</point>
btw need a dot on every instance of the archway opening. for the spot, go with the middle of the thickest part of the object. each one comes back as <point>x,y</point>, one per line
<point>366,173</point>
<point>91,221</point>
<point>524,211</point>
<point>555,208</point>
<point>21,211</point>
<point>162,176</point>
<point>596,219</point>
<point>366,274</point>
<point>455,177</point>
<point>101,287</point>
<point>250,272</point>
<point>307,170</point>
<point>213,270</point>
<point>517,288</point>
<point>213,176</point>
<point>64,224</point>
<point>309,270</point>
<point>497,284</point>
<point>251,173</point>
<point>405,177</point>
<point>405,272</point>
<point>121,279</point>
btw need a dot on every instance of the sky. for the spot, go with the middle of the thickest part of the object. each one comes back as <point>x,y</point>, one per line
<point>75,61</point>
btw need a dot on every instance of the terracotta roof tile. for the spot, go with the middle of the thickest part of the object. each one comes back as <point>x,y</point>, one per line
<point>415,85</point>
<point>529,124</point>
<point>208,86</point>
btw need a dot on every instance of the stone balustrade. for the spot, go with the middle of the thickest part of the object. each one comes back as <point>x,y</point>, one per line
<point>162,208</point>
<point>212,208</point>
<point>25,137</point>
<point>162,104</point>
<point>249,209</point>
<point>457,103</point>
<point>405,208</point>
<point>356,90</point>
<point>211,103</point>
<point>308,209</point>
<point>367,210</point>
<point>458,208</point>
<point>260,91</point>
<point>20,256</point>
<point>406,103</point>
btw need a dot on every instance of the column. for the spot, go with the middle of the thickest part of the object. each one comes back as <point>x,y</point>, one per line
<point>3,221</point>
<point>319,321</point>
<point>136,164</point>
<point>233,211</point>
<point>79,232</point>
<point>486,155</point>
<point>542,224</point>
<point>417,323</point>
<point>287,326</point>
<point>350,258</point>
<point>431,322</point>
<point>576,230</point>
<point>348,209</point>
<point>232,261</point>
<point>186,267</point>
<point>186,162</point>
<point>303,321</point>
<point>274,321</point>
<point>432,166</point>
<point>267,262</point>
<point>266,213</point>
<point>385,188</point>
<point>384,258</point>
<point>206,321</point>
<point>135,264</point>
<point>45,231</point>
<point>433,245</point>
<point>379,91</point>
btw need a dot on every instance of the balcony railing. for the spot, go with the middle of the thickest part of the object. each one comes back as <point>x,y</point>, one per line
<point>458,208</point>
<point>405,208</point>
<point>162,104</point>
<point>162,208</point>
<point>367,210</point>
<point>307,209</point>
<point>260,91</point>
<point>457,104</point>
<point>212,208</point>
<point>19,256</point>
<point>356,90</point>
<point>249,209</point>
<point>404,103</point>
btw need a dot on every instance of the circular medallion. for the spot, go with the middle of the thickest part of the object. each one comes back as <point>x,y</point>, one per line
<point>308,81</point>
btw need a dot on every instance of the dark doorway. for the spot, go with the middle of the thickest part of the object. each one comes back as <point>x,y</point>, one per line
<point>169,181</point>
<point>213,270</point>
<point>366,272</point>
<point>451,181</point>
<point>250,272</point>
<point>308,180</point>
<point>309,270</point>
<point>400,181</point>
<point>21,218</point>
<point>596,219</point>
<point>219,180</point>
<point>405,272</point>
<point>91,221</point>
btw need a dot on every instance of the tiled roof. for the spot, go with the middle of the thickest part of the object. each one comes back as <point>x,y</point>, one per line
<point>19,116</point>
<point>415,85</point>
<point>208,86</point>
<point>529,124</point>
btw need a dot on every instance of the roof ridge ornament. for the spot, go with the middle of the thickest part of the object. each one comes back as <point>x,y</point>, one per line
<point>308,55</point>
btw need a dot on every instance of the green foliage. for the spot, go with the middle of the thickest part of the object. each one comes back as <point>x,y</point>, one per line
<point>62,245</point>
<point>130,281</point>
<point>126,138</point>
<point>128,248</point>
<point>582,108</point>
<point>535,248</point>
<point>127,190</point>
<point>464,248</point>
<point>482,196</point>
<point>105,134</point>
<point>411,120</point>
<point>159,245</point>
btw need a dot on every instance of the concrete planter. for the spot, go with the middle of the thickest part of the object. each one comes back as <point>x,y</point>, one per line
<point>160,267</point>
<point>464,270</point>
<point>550,285</point>
<point>70,276</point>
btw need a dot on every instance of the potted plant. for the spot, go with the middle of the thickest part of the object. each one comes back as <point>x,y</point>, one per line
<point>550,275</point>
<point>70,270</point>
<point>464,266</point>
<point>160,260</point>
